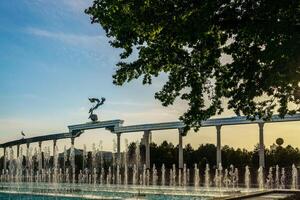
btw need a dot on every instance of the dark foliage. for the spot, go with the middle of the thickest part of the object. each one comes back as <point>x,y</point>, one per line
<point>166,153</point>
<point>186,39</point>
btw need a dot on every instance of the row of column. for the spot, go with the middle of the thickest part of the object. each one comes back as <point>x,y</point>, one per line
<point>261,145</point>
<point>39,149</point>
<point>146,139</point>
<point>219,154</point>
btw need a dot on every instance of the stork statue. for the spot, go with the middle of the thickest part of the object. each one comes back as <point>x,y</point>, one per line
<point>23,134</point>
<point>98,102</point>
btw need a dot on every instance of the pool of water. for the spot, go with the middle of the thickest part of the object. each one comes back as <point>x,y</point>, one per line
<point>41,191</point>
<point>18,196</point>
<point>12,196</point>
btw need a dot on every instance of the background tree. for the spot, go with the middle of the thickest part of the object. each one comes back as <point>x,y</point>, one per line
<point>166,153</point>
<point>186,38</point>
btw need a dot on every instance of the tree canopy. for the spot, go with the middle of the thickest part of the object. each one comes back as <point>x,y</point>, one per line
<point>166,153</point>
<point>187,39</point>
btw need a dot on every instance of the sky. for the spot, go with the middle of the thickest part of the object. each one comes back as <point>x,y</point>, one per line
<point>52,59</point>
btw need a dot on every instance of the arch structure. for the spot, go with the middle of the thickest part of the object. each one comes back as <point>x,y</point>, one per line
<point>116,127</point>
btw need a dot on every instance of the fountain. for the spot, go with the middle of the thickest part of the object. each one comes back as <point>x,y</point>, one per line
<point>101,176</point>
<point>137,162</point>
<point>163,175</point>
<point>109,176</point>
<point>125,163</point>
<point>260,178</point>
<point>269,181</point>
<point>72,160</point>
<point>134,175</point>
<point>102,173</point>
<point>184,183</point>
<point>144,175</point>
<point>294,178</point>
<point>277,181</point>
<point>282,179</point>
<point>154,175</point>
<point>226,179</point>
<point>174,174</point>
<point>247,178</point>
<point>207,176</point>
<point>218,176</point>
<point>196,176</point>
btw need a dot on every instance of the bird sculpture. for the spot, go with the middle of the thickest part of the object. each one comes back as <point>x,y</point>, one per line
<point>98,102</point>
<point>23,134</point>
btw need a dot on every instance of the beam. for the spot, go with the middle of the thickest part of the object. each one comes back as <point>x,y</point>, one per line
<point>149,127</point>
<point>110,125</point>
<point>238,120</point>
<point>37,139</point>
<point>116,127</point>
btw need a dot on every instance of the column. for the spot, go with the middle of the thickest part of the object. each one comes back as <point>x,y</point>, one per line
<point>4,159</point>
<point>180,149</point>
<point>147,146</point>
<point>18,151</point>
<point>54,148</point>
<point>118,148</point>
<point>27,156</point>
<point>40,157</point>
<point>261,145</point>
<point>72,151</point>
<point>219,154</point>
<point>54,154</point>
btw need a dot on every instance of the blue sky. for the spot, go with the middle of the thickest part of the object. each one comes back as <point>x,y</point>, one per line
<point>52,59</point>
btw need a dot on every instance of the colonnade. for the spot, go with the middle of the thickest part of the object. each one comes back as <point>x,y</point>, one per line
<point>116,127</point>
<point>39,150</point>
<point>146,139</point>
<point>218,146</point>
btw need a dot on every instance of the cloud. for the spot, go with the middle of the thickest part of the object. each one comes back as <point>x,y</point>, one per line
<point>61,7</point>
<point>77,5</point>
<point>131,104</point>
<point>69,38</point>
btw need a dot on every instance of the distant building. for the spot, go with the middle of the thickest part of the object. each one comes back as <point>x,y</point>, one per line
<point>107,155</point>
